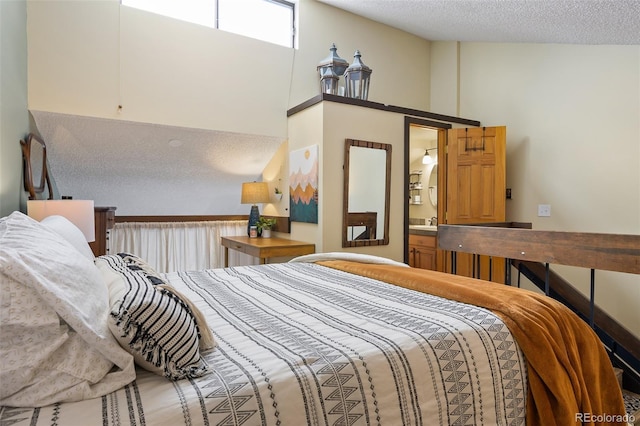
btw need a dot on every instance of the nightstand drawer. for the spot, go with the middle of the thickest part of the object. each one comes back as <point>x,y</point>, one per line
<point>422,240</point>
<point>238,247</point>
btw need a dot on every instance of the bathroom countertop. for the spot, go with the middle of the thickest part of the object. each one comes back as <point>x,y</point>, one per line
<point>423,230</point>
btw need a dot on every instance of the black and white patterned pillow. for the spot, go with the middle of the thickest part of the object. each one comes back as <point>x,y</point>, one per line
<point>135,263</point>
<point>152,323</point>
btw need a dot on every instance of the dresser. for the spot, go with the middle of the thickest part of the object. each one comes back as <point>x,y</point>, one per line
<point>105,218</point>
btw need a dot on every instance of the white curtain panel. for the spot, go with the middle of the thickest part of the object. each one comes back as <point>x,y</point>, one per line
<point>179,246</point>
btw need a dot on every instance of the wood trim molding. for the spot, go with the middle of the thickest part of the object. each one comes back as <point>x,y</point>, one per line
<point>180,218</point>
<point>383,107</point>
<point>283,223</point>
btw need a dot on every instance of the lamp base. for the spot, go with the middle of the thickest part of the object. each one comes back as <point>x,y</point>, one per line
<point>254,216</point>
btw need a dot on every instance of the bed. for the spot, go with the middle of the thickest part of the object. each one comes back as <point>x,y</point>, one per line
<point>334,338</point>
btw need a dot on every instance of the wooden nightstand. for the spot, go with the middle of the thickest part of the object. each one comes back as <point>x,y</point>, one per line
<point>105,218</point>
<point>265,248</point>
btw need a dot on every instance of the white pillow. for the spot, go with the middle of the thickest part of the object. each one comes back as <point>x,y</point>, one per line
<point>56,345</point>
<point>69,232</point>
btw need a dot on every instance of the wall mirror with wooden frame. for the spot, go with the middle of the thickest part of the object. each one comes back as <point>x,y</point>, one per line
<point>34,163</point>
<point>367,182</point>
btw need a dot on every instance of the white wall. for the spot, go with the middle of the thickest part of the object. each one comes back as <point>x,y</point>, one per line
<point>328,125</point>
<point>444,74</point>
<point>87,58</point>
<point>400,61</point>
<point>573,139</point>
<point>276,173</point>
<point>14,117</point>
<point>307,129</point>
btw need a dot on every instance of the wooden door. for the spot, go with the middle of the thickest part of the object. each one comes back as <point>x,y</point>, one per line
<point>476,188</point>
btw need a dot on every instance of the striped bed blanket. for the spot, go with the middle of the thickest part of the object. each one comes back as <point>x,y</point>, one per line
<point>305,344</point>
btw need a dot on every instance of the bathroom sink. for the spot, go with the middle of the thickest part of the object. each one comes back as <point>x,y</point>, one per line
<point>424,227</point>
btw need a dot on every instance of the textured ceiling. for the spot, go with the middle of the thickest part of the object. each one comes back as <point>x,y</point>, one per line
<point>507,21</point>
<point>152,169</point>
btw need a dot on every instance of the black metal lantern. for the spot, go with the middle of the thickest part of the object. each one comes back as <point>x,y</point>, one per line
<point>330,70</point>
<point>356,79</point>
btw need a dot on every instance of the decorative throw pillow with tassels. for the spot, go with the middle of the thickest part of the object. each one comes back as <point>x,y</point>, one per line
<point>160,327</point>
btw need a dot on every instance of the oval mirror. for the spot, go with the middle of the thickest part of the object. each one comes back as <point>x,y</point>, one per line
<point>34,163</point>
<point>367,181</point>
<point>433,186</point>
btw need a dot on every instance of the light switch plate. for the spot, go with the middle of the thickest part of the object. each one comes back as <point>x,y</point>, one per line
<point>544,210</point>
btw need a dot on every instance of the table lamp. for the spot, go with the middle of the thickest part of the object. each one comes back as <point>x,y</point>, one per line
<point>78,212</point>
<point>253,193</point>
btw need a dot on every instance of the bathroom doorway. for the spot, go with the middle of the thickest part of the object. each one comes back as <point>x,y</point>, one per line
<point>424,142</point>
<point>423,173</point>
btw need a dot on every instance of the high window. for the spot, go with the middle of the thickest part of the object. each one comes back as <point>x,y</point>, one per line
<point>269,20</point>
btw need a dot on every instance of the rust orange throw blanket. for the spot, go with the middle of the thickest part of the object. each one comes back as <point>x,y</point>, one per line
<point>569,371</point>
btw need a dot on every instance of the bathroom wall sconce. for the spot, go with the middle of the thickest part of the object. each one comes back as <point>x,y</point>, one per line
<point>429,158</point>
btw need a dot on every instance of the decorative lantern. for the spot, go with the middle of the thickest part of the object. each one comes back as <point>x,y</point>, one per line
<point>329,81</point>
<point>356,79</point>
<point>332,64</point>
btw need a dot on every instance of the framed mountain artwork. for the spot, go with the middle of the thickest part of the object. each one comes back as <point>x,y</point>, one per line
<point>303,184</point>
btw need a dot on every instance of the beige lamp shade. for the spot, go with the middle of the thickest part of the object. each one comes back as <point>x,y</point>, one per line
<point>78,212</point>
<point>255,192</point>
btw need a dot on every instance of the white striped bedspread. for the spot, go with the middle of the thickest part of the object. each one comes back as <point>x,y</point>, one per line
<point>302,344</point>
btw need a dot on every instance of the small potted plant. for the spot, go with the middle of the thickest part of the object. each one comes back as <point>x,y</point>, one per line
<point>278,193</point>
<point>264,226</point>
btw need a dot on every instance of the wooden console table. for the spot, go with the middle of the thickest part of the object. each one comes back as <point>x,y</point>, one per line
<point>265,248</point>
